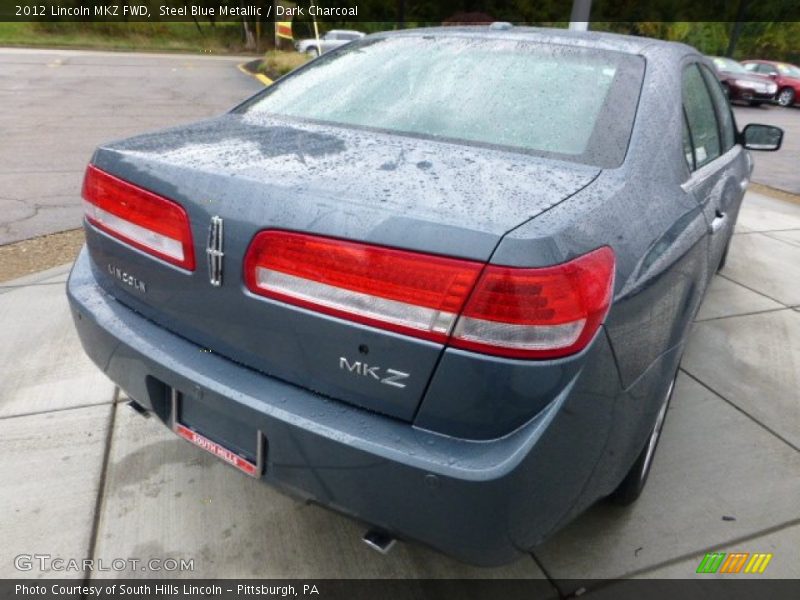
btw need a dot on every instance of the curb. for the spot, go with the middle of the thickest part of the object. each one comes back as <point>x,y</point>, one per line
<point>772,192</point>
<point>34,278</point>
<point>260,77</point>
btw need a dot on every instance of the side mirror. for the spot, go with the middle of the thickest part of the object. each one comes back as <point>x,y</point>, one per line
<point>761,137</point>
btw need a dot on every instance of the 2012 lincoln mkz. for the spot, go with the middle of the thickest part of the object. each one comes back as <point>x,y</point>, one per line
<point>439,280</point>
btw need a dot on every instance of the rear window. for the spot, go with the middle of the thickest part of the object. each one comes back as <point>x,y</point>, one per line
<point>571,103</point>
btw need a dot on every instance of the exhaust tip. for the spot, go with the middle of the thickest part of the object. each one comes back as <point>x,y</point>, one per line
<point>379,541</point>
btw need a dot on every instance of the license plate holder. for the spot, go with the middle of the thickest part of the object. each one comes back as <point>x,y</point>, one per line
<point>245,464</point>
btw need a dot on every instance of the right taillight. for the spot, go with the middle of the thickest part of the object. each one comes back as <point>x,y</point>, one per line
<point>138,217</point>
<point>537,313</point>
<point>408,292</point>
<point>506,311</point>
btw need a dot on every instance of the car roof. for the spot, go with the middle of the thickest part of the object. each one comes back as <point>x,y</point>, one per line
<point>629,44</point>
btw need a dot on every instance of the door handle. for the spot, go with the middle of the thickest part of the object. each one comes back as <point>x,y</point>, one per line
<point>719,221</point>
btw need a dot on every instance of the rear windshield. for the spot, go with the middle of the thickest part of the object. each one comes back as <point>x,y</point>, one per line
<point>561,101</point>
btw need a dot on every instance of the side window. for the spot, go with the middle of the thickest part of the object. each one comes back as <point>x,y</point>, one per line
<point>700,114</point>
<point>724,117</point>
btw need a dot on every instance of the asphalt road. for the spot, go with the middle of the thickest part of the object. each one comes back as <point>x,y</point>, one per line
<point>58,105</point>
<point>776,169</point>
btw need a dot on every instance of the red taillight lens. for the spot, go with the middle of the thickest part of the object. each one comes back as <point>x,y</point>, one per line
<point>138,217</point>
<point>409,292</point>
<point>538,313</point>
<point>527,313</point>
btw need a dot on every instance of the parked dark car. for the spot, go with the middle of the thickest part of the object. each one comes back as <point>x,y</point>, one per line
<point>786,76</point>
<point>742,85</point>
<point>415,282</point>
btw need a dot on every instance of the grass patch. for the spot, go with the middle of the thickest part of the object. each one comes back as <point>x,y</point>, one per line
<point>40,253</point>
<point>223,38</point>
<point>277,63</point>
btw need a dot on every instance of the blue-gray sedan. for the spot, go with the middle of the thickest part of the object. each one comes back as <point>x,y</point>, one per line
<point>439,280</point>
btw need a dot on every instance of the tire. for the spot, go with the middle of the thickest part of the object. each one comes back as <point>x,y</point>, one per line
<point>786,97</point>
<point>313,52</point>
<point>724,258</point>
<point>629,490</point>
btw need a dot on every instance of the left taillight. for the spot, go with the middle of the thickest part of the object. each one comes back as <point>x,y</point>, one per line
<point>138,217</point>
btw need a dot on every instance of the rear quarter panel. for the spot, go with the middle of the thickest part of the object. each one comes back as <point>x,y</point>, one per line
<point>659,235</point>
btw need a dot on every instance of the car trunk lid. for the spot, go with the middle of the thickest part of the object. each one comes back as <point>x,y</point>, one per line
<point>395,191</point>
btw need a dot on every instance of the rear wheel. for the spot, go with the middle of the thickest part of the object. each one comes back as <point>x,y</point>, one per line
<point>724,258</point>
<point>631,487</point>
<point>786,97</point>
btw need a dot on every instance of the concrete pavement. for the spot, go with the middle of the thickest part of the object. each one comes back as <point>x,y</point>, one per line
<point>58,105</point>
<point>110,484</point>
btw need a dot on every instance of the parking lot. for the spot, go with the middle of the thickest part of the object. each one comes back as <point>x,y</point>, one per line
<point>58,105</point>
<point>86,476</point>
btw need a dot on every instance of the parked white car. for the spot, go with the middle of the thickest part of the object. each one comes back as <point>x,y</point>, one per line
<point>333,39</point>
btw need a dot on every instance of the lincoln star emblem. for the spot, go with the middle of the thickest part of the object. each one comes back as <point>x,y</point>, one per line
<point>214,251</point>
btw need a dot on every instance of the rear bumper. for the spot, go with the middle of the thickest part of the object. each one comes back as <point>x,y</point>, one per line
<point>484,502</point>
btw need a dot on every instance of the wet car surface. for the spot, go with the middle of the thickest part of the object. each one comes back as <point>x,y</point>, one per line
<point>477,408</point>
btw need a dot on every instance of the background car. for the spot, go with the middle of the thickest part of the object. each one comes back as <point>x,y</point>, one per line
<point>741,85</point>
<point>333,39</point>
<point>786,76</point>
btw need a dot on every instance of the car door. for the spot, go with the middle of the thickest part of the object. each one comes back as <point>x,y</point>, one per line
<point>719,167</point>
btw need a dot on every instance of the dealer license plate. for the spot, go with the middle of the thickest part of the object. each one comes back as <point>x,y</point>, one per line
<point>233,458</point>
